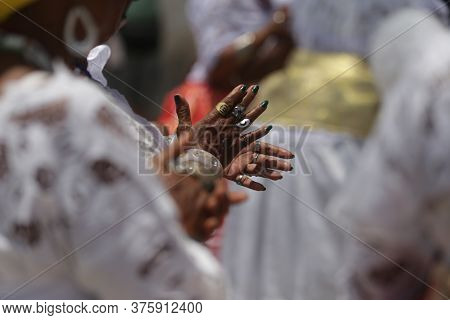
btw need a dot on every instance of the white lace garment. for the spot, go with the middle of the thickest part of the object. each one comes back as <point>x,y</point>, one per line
<point>396,205</point>
<point>77,220</point>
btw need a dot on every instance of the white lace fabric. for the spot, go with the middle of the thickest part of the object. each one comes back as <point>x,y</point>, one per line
<point>71,195</point>
<point>396,204</point>
<point>289,251</point>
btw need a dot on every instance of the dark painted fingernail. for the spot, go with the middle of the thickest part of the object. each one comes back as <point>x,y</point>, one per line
<point>264,104</point>
<point>177,99</point>
<point>292,168</point>
<point>255,89</point>
<point>269,128</point>
<point>244,88</point>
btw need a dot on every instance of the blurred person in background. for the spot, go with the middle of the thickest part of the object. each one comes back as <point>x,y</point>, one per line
<point>79,219</point>
<point>237,42</point>
<point>135,56</point>
<point>325,103</point>
<point>156,34</point>
<point>397,200</point>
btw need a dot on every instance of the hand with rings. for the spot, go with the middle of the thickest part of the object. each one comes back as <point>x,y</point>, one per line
<point>259,159</point>
<point>221,133</point>
<point>201,210</point>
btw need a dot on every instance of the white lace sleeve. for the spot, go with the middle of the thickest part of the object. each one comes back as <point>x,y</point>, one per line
<point>72,197</point>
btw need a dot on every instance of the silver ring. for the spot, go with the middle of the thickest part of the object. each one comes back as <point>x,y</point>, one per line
<point>257,147</point>
<point>238,113</point>
<point>279,17</point>
<point>244,124</point>
<point>255,157</point>
<point>239,179</point>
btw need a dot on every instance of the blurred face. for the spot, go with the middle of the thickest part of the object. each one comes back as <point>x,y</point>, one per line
<point>108,14</point>
<point>51,16</point>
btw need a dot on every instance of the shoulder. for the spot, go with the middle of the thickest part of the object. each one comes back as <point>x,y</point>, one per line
<point>61,96</point>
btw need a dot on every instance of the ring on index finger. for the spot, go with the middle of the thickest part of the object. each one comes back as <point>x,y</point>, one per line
<point>223,109</point>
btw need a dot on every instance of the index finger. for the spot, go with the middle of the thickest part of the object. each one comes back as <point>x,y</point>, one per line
<point>233,99</point>
<point>184,114</point>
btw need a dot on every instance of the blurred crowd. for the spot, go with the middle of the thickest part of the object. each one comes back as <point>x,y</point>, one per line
<point>131,128</point>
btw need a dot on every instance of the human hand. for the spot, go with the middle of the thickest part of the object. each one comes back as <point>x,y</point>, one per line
<point>201,210</point>
<point>240,154</point>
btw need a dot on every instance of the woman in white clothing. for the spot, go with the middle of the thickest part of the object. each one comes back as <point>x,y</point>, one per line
<point>83,213</point>
<point>396,203</point>
<point>325,102</point>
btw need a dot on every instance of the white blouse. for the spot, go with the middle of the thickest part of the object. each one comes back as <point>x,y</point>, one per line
<point>79,216</point>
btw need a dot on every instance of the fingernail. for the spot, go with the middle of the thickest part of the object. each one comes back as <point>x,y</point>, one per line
<point>292,168</point>
<point>177,99</point>
<point>244,88</point>
<point>264,104</point>
<point>255,89</point>
<point>269,128</point>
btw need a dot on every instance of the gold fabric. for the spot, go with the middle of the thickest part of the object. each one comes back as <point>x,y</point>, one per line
<point>333,91</point>
<point>8,7</point>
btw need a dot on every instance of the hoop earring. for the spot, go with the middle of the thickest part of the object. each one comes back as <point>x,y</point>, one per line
<point>84,46</point>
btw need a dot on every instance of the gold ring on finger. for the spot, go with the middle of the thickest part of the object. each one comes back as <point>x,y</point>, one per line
<point>223,109</point>
<point>240,179</point>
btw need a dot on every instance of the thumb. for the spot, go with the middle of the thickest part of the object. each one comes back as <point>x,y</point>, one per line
<point>184,115</point>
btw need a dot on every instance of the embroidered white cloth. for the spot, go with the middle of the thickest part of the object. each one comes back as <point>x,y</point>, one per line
<point>398,199</point>
<point>278,245</point>
<point>77,219</point>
